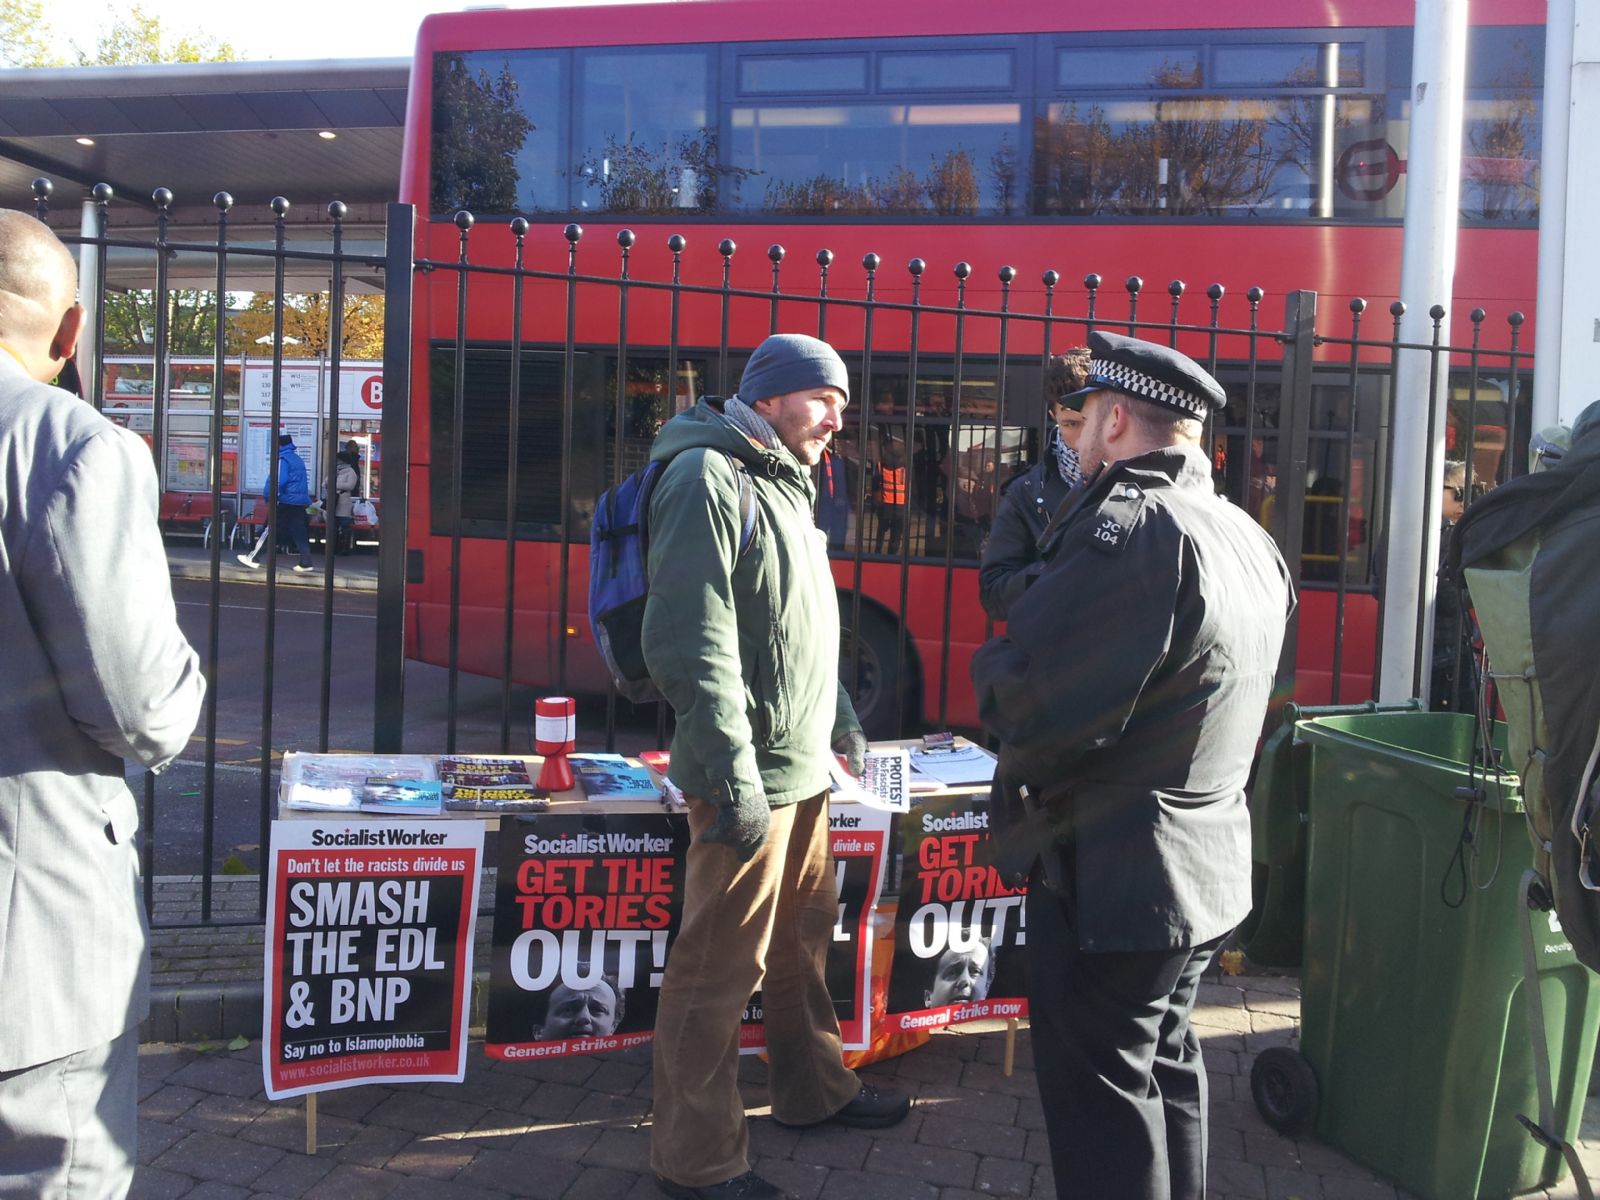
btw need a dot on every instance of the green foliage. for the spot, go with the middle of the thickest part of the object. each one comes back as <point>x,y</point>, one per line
<point>28,40</point>
<point>140,37</point>
<point>130,322</point>
<point>479,129</point>
<point>681,177</point>
<point>25,35</point>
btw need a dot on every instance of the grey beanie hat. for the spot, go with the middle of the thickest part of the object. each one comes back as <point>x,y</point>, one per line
<point>792,362</point>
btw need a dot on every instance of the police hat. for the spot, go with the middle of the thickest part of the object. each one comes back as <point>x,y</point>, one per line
<point>1150,372</point>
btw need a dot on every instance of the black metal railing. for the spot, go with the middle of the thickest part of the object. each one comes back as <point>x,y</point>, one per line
<point>161,249</point>
<point>539,377</point>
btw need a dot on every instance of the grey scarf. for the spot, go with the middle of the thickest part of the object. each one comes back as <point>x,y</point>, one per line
<point>1066,461</point>
<point>750,423</point>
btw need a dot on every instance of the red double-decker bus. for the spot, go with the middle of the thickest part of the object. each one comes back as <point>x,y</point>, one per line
<point>1256,145</point>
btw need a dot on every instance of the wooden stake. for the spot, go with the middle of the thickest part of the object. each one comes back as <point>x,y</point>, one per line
<point>311,1121</point>
<point>1011,1044</point>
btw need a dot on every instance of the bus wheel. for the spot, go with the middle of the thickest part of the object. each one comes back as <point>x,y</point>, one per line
<point>878,696</point>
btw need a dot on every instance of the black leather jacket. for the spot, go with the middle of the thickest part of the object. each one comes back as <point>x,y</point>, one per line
<point>1011,558</point>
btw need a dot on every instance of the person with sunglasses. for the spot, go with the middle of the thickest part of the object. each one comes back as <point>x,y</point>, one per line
<point>1012,558</point>
<point>1454,633</point>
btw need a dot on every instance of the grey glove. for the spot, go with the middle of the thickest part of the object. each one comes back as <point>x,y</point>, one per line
<point>741,822</point>
<point>852,745</point>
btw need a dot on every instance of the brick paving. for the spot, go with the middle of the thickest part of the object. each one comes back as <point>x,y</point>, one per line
<point>578,1128</point>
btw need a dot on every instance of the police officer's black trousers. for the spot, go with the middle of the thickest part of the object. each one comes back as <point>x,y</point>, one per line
<point>1119,1069</point>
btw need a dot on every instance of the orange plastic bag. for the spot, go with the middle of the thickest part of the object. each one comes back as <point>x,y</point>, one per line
<point>883,1043</point>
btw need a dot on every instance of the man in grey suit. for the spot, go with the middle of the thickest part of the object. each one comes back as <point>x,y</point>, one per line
<point>94,671</point>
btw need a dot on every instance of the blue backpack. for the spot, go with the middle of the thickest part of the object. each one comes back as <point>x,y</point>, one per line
<point>619,549</point>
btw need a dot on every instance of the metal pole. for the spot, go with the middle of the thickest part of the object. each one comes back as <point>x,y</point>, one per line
<point>1555,145</point>
<point>1288,524</point>
<point>1427,275</point>
<point>90,255</point>
<point>389,708</point>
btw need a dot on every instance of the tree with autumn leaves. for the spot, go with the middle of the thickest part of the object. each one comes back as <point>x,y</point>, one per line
<point>309,320</point>
<point>130,323</point>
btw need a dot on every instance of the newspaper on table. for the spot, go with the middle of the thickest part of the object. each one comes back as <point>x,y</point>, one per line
<point>337,782</point>
<point>963,765</point>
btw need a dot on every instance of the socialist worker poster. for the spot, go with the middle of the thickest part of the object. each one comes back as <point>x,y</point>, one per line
<point>368,952</point>
<point>960,933</point>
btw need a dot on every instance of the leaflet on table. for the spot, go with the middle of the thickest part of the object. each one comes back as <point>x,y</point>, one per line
<point>612,777</point>
<point>964,765</point>
<point>336,782</point>
<point>672,795</point>
<point>489,783</point>
<point>884,783</point>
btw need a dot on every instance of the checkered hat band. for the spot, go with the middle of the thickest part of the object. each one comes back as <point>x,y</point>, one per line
<point>1146,387</point>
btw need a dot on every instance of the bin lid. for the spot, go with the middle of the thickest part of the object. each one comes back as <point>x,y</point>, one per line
<point>1435,748</point>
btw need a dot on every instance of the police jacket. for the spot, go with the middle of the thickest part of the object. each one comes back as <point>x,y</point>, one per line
<point>1011,556</point>
<point>1129,693</point>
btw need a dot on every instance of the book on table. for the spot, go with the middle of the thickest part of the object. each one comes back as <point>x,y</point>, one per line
<point>612,777</point>
<point>489,783</point>
<point>410,797</point>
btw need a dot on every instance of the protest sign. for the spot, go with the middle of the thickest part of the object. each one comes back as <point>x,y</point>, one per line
<point>860,859</point>
<point>585,905</point>
<point>960,933</point>
<point>368,952</point>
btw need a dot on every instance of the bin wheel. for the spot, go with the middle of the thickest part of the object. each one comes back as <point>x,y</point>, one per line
<point>1285,1090</point>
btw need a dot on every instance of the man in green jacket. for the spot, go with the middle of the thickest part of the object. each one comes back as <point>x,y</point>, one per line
<point>745,647</point>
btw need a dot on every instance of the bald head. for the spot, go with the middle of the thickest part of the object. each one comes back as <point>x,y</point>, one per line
<point>39,319</point>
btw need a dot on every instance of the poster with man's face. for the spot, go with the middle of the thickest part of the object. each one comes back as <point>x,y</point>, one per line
<point>585,907</point>
<point>960,933</point>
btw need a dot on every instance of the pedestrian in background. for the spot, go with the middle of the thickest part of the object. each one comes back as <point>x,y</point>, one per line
<point>94,675</point>
<point>293,495</point>
<point>1127,695</point>
<point>345,482</point>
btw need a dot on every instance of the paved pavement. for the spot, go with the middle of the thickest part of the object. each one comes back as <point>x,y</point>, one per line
<point>188,559</point>
<point>578,1128</point>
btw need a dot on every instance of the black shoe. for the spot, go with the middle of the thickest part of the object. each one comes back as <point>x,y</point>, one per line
<point>748,1186</point>
<point>871,1108</point>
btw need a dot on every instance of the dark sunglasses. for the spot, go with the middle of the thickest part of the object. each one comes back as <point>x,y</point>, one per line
<point>1459,493</point>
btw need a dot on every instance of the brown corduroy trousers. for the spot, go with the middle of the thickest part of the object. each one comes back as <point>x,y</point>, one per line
<point>766,923</point>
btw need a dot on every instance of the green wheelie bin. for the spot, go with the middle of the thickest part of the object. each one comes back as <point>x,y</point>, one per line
<point>1414,1054</point>
<point>1280,809</point>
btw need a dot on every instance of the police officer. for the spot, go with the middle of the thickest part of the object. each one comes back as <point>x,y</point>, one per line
<point>1128,696</point>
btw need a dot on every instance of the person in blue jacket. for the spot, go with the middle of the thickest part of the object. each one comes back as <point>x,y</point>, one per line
<point>293,495</point>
